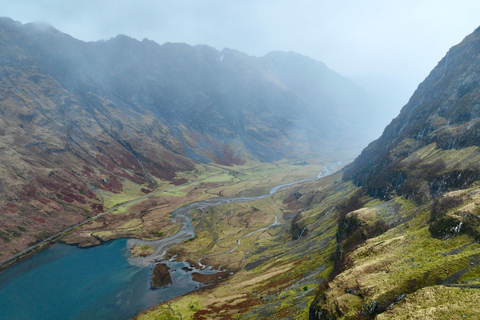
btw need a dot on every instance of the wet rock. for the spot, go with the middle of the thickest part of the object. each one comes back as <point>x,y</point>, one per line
<point>161,276</point>
<point>372,308</point>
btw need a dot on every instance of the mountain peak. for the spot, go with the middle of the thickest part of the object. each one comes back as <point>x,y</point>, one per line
<point>444,111</point>
<point>9,21</point>
<point>124,39</point>
<point>41,26</point>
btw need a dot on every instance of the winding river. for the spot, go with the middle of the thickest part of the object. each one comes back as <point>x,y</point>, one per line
<point>103,282</point>
<point>182,216</point>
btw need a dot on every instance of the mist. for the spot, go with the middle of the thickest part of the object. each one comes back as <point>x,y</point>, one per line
<point>386,47</point>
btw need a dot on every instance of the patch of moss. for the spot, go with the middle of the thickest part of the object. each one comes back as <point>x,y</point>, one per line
<point>14,233</point>
<point>140,250</point>
<point>162,313</point>
<point>5,236</point>
<point>436,302</point>
<point>131,191</point>
<point>400,261</point>
<point>132,223</point>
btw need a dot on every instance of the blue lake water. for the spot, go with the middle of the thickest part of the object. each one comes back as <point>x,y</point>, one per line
<point>66,282</point>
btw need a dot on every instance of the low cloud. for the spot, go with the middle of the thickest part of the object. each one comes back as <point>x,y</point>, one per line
<point>388,47</point>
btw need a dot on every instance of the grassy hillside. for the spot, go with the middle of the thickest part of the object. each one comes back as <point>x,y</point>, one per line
<point>393,236</point>
<point>86,125</point>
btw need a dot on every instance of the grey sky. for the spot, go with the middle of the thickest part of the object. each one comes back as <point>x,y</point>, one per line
<point>388,47</point>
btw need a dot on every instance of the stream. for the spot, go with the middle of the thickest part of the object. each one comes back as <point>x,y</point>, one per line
<point>182,216</point>
<point>104,282</point>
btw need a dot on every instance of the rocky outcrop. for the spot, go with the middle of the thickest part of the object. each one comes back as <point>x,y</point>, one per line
<point>161,276</point>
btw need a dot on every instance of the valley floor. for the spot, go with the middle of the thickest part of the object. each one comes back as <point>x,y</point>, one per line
<point>322,249</point>
<point>336,253</point>
<point>274,273</point>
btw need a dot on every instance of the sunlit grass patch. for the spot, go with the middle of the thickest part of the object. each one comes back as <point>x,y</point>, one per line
<point>132,223</point>
<point>131,191</point>
<point>436,302</point>
<point>141,250</point>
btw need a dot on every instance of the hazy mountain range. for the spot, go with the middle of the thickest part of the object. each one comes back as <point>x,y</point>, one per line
<point>77,116</point>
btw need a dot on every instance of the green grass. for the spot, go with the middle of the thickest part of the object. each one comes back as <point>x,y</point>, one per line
<point>436,302</point>
<point>401,261</point>
<point>131,191</point>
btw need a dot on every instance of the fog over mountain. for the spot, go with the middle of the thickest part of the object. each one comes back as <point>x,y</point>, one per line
<point>386,47</point>
<point>98,115</point>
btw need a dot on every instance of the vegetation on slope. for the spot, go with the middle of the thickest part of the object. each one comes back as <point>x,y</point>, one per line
<point>427,161</point>
<point>151,218</point>
<point>86,125</point>
<point>395,238</point>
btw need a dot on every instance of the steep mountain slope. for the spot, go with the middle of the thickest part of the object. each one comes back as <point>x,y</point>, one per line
<point>82,121</point>
<point>443,114</point>
<point>395,235</point>
<point>425,169</point>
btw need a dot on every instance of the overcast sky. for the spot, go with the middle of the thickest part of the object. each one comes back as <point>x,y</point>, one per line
<point>386,46</point>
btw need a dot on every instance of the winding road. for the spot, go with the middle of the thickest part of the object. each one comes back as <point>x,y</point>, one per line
<point>178,216</point>
<point>55,237</point>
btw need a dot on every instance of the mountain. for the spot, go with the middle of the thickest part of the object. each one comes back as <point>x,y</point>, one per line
<point>81,121</point>
<point>443,112</point>
<point>415,254</point>
<point>394,235</point>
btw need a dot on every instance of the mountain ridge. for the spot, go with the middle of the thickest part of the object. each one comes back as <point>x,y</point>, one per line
<point>85,119</point>
<point>394,235</point>
<point>445,110</point>
<point>409,239</point>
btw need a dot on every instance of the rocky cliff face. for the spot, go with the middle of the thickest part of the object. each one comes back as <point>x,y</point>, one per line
<point>80,119</point>
<point>407,238</point>
<point>443,112</point>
